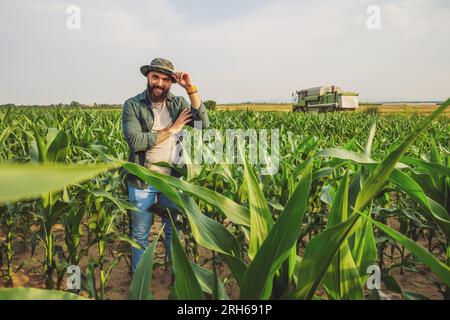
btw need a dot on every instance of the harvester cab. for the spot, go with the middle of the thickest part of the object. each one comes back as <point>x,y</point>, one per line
<point>324,99</point>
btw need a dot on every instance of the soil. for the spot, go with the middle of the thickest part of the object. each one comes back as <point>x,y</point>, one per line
<point>31,274</point>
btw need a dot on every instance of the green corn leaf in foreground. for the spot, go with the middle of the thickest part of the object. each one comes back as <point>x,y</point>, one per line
<point>412,188</point>
<point>186,285</point>
<point>342,278</point>
<point>278,245</point>
<point>260,216</point>
<point>37,294</point>
<point>206,231</point>
<point>207,279</point>
<point>237,266</point>
<point>322,248</point>
<point>317,258</point>
<point>364,250</point>
<point>142,279</point>
<point>436,266</point>
<point>362,243</point>
<point>233,211</point>
<point>19,182</point>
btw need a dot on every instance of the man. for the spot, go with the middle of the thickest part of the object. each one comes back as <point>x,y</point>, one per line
<point>150,122</point>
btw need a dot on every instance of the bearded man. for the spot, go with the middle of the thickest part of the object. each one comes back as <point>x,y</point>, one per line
<point>150,121</point>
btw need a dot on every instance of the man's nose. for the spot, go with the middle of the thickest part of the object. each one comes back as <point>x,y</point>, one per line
<point>160,83</point>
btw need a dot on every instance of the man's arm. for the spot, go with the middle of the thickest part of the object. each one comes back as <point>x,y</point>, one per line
<point>136,139</point>
<point>196,106</point>
<point>199,115</point>
<point>163,135</point>
<point>184,118</point>
<point>196,102</point>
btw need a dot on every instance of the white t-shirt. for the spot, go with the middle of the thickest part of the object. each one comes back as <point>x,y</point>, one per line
<point>161,152</point>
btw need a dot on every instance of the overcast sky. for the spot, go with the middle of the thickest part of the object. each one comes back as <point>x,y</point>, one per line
<point>236,50</point>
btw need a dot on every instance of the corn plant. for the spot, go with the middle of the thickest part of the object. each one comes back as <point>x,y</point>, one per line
<point>52,149</point>
<point>7,217</point>
<point>104,210</point>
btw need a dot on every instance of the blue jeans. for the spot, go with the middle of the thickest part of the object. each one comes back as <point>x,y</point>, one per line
<point>142,220</point>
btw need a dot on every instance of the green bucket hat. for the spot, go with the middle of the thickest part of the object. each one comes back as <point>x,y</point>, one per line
<point>160,65</point>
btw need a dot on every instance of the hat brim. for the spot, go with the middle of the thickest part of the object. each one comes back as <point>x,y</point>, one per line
<point>146,69</point>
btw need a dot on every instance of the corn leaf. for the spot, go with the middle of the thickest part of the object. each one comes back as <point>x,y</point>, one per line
<point>37,294</point>
<point>142,279</point>
<point>206,231</point>
<point>278,245</point>
<point>186,285</point>
<point>260,216</point>
<point>342,278</point>
<point>413,189</point>
<point>233,211</point>
<point>20,182</point>
<point>438,268</point>
<point>428,167</point>
<point>207,279</point>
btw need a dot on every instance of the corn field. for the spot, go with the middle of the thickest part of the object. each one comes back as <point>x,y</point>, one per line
<point>353,190</point>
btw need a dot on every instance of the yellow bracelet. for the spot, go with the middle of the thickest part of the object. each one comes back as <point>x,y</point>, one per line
<point>191,90</point>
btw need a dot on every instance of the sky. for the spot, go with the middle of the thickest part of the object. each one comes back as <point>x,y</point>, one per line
<point>236,51</point>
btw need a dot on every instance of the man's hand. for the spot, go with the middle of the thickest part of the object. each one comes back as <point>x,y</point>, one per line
<point>184,118</point>
<point>184,79</point>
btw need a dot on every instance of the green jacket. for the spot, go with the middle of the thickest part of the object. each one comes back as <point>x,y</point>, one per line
<point>137,123</point>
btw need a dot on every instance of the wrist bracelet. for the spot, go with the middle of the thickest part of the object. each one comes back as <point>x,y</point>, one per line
<point>191,90</point>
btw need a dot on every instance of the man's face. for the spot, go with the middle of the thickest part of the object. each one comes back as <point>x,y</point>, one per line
<point>159,85</point>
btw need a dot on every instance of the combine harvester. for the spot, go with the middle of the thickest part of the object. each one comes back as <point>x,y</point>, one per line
<point>324,99</point>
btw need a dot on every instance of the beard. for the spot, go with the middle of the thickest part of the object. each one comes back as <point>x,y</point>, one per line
<point>157,93</point>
